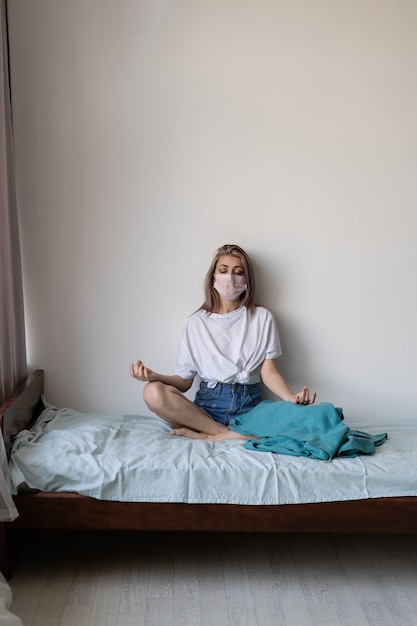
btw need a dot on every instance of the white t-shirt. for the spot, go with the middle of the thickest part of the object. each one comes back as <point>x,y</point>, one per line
<point>227,348</point>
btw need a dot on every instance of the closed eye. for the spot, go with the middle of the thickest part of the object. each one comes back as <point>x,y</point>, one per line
<point>223,269</point>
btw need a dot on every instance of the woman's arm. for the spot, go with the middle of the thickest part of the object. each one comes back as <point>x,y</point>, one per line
<point>276,383</point>
<point>146,375</point>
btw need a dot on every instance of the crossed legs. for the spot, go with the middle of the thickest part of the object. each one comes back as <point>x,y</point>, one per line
<point>186,419</point>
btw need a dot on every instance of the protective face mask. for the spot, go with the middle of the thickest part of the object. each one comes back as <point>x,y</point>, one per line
<point>230,286</point>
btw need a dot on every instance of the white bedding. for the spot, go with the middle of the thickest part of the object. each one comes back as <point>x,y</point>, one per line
<point>133,458</point>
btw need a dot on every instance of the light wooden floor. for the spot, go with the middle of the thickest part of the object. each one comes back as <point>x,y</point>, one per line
<point>105,579</point>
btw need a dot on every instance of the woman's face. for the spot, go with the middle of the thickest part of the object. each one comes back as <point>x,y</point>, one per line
<point>229,264</point>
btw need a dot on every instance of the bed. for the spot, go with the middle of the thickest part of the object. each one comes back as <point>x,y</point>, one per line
<point>368,511</point>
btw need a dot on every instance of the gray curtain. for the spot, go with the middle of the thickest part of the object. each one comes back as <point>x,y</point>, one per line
<point>13,367</point>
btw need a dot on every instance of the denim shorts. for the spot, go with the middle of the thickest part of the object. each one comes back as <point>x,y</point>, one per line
<point>227,401</point>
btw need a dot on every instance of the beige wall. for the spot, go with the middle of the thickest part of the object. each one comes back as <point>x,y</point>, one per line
<point>149,133</point>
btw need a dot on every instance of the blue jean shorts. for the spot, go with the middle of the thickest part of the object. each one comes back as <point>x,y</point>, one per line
<point>227,401</point>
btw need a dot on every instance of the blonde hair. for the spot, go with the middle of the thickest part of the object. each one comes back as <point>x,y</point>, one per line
<point>211,297</point>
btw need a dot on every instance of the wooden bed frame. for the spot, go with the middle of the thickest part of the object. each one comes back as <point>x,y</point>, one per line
<point>67,511</point>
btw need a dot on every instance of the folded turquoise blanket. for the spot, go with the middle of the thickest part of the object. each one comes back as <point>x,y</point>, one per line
<point>314,430</point>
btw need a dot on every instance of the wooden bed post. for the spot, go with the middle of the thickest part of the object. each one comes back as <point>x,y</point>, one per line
<point>22,405</point>
<point>2,548</point>
<point>4,552</point>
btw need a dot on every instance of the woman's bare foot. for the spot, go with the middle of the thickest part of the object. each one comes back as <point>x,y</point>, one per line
<point>223,436</point>
<point>188,432</point>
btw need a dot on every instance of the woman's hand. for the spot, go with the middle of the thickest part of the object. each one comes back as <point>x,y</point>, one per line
<point>146,375</point>
<point>303,397</point>
<point>275,383</point>
<point>142,373</point>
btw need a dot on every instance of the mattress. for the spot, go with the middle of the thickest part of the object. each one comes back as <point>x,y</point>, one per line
<point>133,458</point>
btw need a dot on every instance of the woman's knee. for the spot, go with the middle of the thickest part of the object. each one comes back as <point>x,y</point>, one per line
<point>154,394</point>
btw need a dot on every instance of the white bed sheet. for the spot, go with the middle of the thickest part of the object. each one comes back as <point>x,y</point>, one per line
<point>133,458</point>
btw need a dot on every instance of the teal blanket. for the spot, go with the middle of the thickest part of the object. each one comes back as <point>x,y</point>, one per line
<point>315,430</point>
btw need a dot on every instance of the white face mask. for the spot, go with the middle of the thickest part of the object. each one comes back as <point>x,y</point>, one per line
<point>230,286</point>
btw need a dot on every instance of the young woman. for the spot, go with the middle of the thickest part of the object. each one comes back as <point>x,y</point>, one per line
<point>231,344</point>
